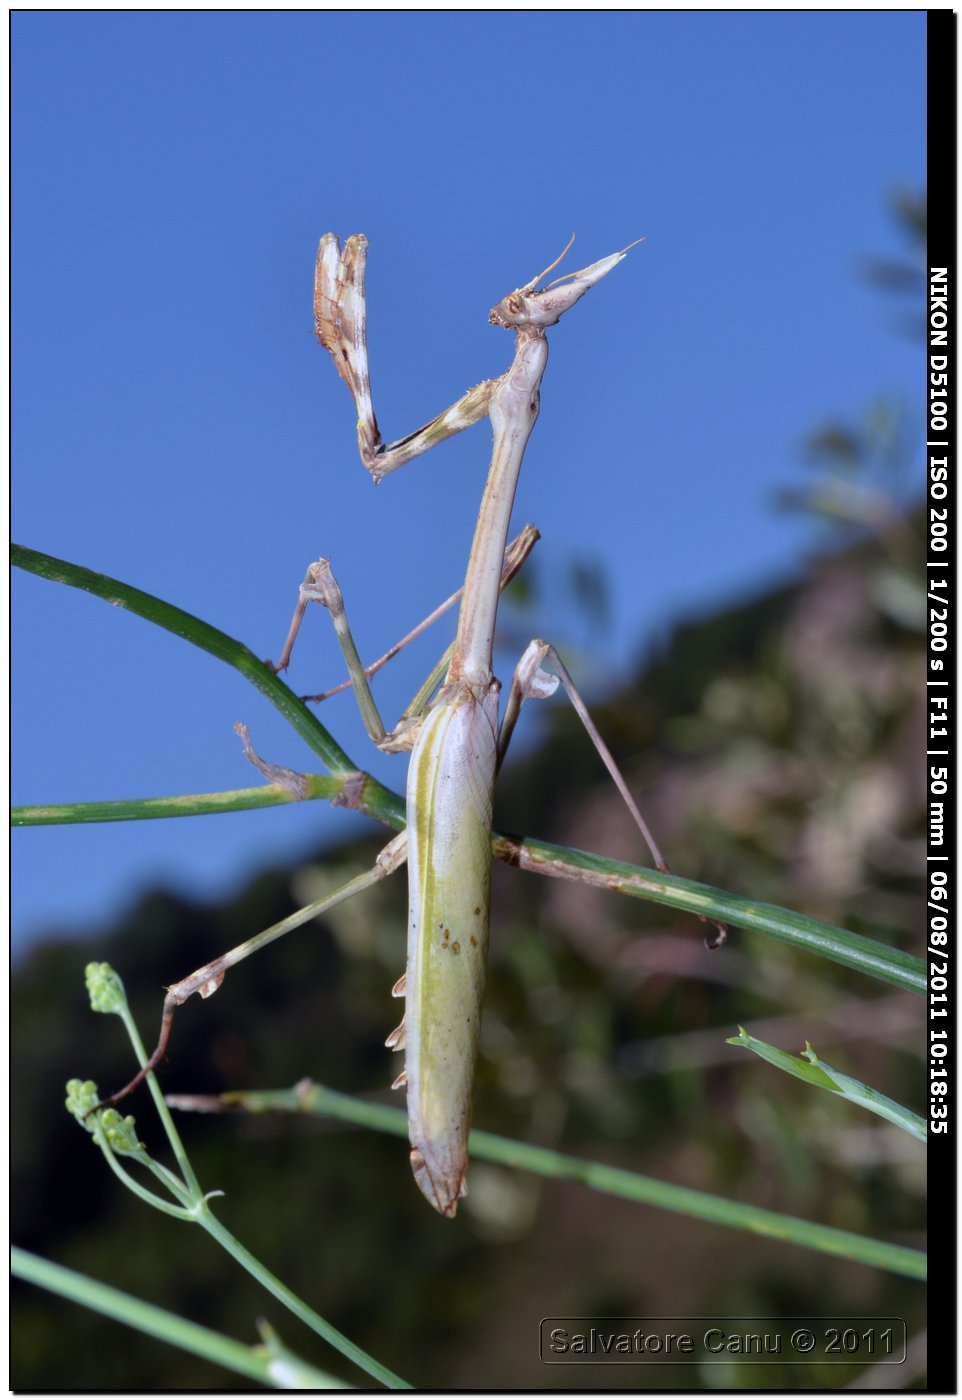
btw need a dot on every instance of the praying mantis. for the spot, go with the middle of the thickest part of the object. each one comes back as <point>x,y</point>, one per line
<point>452,730</point>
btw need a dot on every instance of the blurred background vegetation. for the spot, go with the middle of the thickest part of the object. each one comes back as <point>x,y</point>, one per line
<point>776,746</point>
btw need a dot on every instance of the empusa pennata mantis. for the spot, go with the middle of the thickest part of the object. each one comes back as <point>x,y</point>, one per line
<point>454,735</point>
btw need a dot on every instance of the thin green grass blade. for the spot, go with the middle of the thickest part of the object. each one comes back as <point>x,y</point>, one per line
<point>196,804</point>
<point>852,950</point>
<point>614,1181</point>
<point>814,1070</point>
<point>300,1309</point>
<point>200,634</point>
<point>255,1363</point>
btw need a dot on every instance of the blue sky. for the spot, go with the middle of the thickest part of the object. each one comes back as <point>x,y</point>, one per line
<point>176,425</point>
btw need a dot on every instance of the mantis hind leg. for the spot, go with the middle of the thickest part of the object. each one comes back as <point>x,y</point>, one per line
<point>532,682</point>
<point>206,980</point>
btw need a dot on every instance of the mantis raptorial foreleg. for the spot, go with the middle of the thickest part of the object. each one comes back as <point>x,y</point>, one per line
<point>340,317</point>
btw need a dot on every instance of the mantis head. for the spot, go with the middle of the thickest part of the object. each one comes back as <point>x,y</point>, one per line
<point>529,309</point>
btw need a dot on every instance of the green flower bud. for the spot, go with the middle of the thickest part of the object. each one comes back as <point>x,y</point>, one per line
<point>120,1132</point>
<point>82,1096</point>
<point>104,987</point>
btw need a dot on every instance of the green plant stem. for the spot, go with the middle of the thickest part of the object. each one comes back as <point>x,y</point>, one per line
<point>253,1362</point>
<point>297,1306</point>
<point>614,1181</point>
<point>107,994</point>
<point>163,1112</point>
<point>184,1213</point>
<point>851,950</point>
<point>197,804</point>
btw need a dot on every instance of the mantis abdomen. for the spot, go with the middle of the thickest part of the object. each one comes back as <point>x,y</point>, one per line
<point>449,792</point>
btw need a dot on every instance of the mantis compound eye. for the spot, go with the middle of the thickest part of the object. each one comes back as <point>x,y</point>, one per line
<point>508,310</point>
